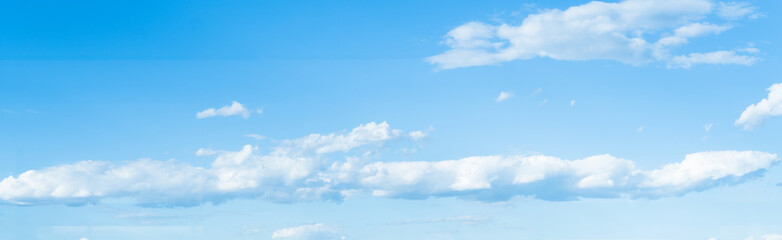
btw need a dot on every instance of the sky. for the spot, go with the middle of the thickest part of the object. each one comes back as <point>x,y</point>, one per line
<point>632,119</point>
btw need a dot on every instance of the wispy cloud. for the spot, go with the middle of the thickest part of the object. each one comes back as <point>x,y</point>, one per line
<point>504,96</point>
<point>634,32</point>
<point>255,136</point>
<point>766,108</point>
<point>707,127</point>
<point>737,10</point>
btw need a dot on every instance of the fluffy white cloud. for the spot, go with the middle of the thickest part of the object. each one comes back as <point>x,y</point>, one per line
<point>631,31</point>
<point>235,109</point>
<point>504,96</point>
<point>299,170</point>
<point>768,107</point>
<point>551,178</point>
<point>288,173</point>
<point>318,231</point>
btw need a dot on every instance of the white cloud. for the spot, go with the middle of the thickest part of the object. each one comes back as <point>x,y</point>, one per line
<point>737,10</point>
<point>255,136</point>
<point>417,135</point>
<point>707,127</point>
<point>205,152</point>
<point>640,129</point>
<point>573,102</point>
<point>718,57</point>
<point>632,31</point>
<point>318,231</point>
<point>285,174</point>
<point>361,135</point>
<point>83,239</point>
<point>544,177</point>
<point>300,170</point>
<point>504,96</point>
<point>768,107</point>
<point>235,109</point>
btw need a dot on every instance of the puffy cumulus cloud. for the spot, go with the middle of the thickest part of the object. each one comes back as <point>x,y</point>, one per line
<point>768,107</point>
<point>318,231</point>
<point>632,31</point>
<point>235,109</point>
<point>288,173</point>
<point>300,170</point>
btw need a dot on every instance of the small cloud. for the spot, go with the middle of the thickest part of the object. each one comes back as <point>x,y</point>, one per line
<point>83,238</point>
<point>539,90</point>
<point>771,106</point>
<point>416,135</point>
<point>707,127</point>
<point>255,136</point>
<point>205,152</point>
<point>640,129</point>
<point>504,96</point>
<point>313,231</point>
<point>544,102</point>
<point>573,102</point>
<point>259,111</point>
<point>234,109</point>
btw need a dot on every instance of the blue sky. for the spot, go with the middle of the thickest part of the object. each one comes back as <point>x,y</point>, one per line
<point>626,119</point>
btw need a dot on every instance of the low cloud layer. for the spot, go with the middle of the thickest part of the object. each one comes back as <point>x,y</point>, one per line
<point>632,31</point>
<point>300,170</point>
<point>766,108</point>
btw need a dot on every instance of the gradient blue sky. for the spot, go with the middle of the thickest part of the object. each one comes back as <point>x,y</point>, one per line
<point>120,84</point>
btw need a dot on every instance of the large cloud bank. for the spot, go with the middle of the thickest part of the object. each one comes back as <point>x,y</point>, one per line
<point>300,170</point>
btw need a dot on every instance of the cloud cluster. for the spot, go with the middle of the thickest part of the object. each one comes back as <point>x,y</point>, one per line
<point>632,31</point>
<point>300,170</point>
<point>235,109</point>
<point>318,231</point>
<point>768,107</point>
